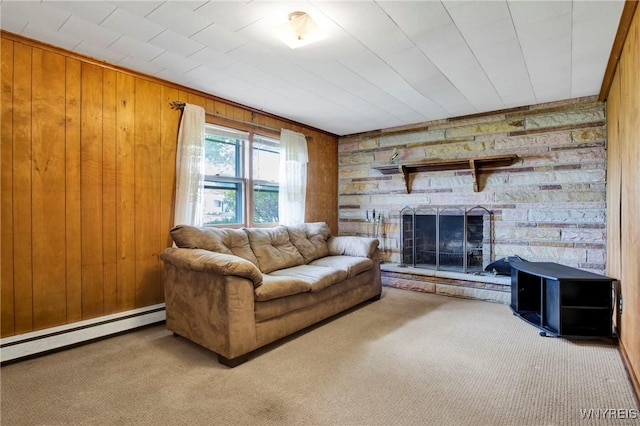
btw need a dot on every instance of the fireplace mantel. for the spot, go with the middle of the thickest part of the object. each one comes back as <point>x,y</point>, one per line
<point>473,164</point>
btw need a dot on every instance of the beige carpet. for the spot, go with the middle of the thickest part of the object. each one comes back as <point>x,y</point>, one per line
<point>408,359</point>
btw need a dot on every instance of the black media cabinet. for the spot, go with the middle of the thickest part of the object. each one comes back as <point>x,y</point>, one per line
<point>562,301</point>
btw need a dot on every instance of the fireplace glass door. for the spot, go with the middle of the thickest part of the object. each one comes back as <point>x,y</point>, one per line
<point>447,238</point>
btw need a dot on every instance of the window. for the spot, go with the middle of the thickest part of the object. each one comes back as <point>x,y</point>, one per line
<point>235,161</point>
<point>266,170</point>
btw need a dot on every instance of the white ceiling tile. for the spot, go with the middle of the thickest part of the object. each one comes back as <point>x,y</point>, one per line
<point>252,53</point>
<point>174,62</point>
<point>176,43</point>
<point>99,52</point>
<point>449,98</point>
<point>89,32</point>
<point>597,11</point>
<point>136,48</point>
<point>439,38</point>
<point>219,38</point>
<point>489,34</point>
<point>205,74</point>
<point>230,88</point>
<point>42,15</point>
<point>55,38</point>
<point>558,26</point>
<point>386,63</point>
<point>140,65</point>
<point>211,58</point>
<point>417,17</point>
<point>172,75</point>
<point>243,71</point>
<point>178,19</point>
<point>462,69</point>
<point>13,23</point>
<point>376,30</point>
<point>232,15</point>
<point>385,41</point>
<point>92,11</point>
<point>134,26</point>
<point>192,5</point>
<point>412,65</point>
<point>531,11</point>
<point>137,7</point>
<point>477,13</point>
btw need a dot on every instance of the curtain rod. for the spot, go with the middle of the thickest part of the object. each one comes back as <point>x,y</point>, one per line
<point>181,105</point>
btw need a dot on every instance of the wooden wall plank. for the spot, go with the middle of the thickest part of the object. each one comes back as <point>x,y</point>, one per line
<point>48,189</point>
<point>125,194</point>
<point>109,234</point>
<point>109,206</point>
<point>322,172</point>
<point>623,124</point>
<point>147,193</point>
<point>22,234</point>
<point>630,206</point>
<point>7,323</point>
<point>169,122</point>
<point>73,228</point>
<point>91,191</point>
<point>614,184</point>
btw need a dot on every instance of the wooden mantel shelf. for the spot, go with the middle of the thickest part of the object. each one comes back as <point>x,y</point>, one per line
<point>473,164</point>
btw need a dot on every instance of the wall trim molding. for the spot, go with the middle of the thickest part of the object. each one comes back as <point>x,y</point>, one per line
<point>633,377</point>
<point>624,25</point>
<point>41,341</point>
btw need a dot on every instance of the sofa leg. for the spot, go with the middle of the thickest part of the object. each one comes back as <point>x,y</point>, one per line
<point>234,362</point>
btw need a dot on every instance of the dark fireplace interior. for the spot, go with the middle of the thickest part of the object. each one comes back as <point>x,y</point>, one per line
<point>436,239</point>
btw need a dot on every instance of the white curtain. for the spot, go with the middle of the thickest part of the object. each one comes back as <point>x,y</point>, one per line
<point>190,167</point>
<point>293,177</point>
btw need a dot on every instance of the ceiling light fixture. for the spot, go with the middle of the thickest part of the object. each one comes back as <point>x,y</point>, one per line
<point>300,30</point>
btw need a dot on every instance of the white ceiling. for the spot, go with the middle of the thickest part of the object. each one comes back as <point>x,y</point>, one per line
<point>385,64</point>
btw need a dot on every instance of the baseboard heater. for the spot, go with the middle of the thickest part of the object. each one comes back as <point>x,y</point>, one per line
<point>41,341</point>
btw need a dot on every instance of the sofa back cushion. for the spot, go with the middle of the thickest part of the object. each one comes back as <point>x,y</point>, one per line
<point>219,240</point>
<point>310,239</point>
<point>273,249</point>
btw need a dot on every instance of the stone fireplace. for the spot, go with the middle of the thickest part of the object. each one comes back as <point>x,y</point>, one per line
<point>548,206</point>
<point>446,238</point>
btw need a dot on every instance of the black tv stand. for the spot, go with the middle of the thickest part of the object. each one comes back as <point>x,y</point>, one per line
<point>562,301</point>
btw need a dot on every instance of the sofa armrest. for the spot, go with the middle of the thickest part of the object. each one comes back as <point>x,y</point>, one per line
<point>201,260</point>
<point>353,246</point>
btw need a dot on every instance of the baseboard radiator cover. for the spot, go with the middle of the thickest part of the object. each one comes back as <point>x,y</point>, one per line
<point>37,342</point>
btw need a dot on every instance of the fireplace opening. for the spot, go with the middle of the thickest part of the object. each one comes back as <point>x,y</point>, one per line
<point>446,238</point>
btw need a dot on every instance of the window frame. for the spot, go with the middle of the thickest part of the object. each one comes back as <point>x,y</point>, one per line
<point>244,167</point>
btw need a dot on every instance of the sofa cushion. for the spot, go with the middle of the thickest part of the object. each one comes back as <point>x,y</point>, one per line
<point>274,287</point>
<point>268,309</point>
<point>310,239</point>
<point>352,246</point>
<point>318,277</point>
<point>219,240</point>
<point>273,249</point>
<point>351,265</point>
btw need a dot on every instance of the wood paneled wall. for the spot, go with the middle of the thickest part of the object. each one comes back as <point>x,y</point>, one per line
<point>88,170</point>
<point>623,194</point>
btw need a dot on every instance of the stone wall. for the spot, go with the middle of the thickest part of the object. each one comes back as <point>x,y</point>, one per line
<point>548,206</point>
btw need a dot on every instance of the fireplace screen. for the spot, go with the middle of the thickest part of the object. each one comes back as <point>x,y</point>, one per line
<point>446,238</point>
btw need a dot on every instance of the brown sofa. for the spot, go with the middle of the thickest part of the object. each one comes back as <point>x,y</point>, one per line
<point>236,290</point>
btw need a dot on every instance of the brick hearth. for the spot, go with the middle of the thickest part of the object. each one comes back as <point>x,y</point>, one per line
<point>484,287</point>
